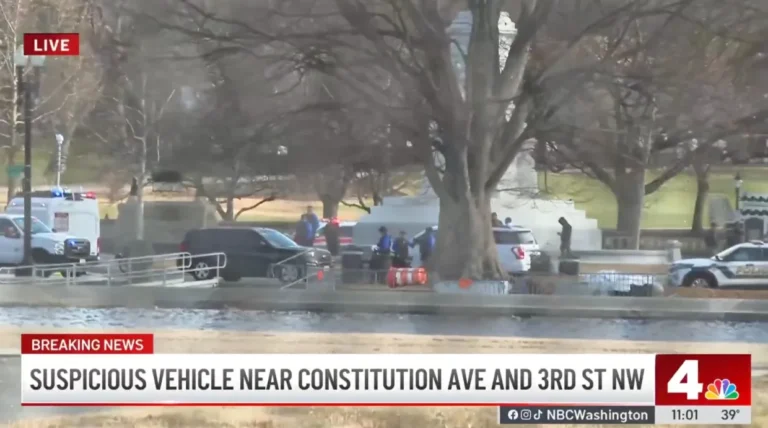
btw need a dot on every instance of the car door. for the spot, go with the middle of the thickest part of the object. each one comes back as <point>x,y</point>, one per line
<point>257,260</point>
<point>744,266</point>
<point>11,244</point>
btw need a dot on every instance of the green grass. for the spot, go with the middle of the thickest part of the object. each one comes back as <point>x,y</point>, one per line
<point>671,207</point>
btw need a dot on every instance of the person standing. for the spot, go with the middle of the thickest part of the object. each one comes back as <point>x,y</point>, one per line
<point>314,222</point>
<point>400,251</point>
<point>565,237</point>
<point>495,222</point>
<point>303,234</point>
<point>381,259</point>
<point>331,232</point>
<point>426,245</point>
<point>710,239</point>
<point>508,223</point>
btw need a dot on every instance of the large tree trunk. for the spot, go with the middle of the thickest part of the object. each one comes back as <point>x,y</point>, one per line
<point>330,206</point>
<point>630,195</point>
<point>702,190</point>
<point>465,245</point>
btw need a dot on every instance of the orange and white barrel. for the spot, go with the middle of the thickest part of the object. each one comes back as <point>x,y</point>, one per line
<point>399,277</point>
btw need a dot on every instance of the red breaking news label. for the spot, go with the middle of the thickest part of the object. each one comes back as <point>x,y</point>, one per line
<point>97,343</point>
<point>51,44</point>
<point>704,380</point>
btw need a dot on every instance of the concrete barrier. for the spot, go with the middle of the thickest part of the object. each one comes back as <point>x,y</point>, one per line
<point>488,288</point>
<point>367,302</point>
<point>635,257</point>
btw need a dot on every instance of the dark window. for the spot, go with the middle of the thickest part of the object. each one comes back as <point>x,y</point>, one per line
<point>6,225</point>
<point>513,237</point>
<point>746,255</point>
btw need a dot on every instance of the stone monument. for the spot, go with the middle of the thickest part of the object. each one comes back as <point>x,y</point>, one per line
<point>517,195</point>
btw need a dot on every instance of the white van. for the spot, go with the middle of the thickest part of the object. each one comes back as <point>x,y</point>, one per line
<point>71,213</point>
<point>515,246</point>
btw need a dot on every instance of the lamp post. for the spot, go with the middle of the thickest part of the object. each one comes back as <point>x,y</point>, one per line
<point>25,89</point>
<point>737,182</point>
<point>59,145</point>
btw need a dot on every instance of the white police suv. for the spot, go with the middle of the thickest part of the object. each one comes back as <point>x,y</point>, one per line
<point>743,265</point>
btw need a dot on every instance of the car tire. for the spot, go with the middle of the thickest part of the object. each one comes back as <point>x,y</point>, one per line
<point>700,280</point>
<point>202,270</point>
<point>290,273</point>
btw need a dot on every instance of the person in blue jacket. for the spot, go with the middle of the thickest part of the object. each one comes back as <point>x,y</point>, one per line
<point>385,242</point>
<point>303,235</point>
<point>314,221</point>
<point>426,243</point>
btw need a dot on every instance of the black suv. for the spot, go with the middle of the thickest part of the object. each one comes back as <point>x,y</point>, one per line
<point>251,252</point>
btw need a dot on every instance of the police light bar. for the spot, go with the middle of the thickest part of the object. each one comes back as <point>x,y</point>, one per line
<point>57,193</point>
<point>89,195</point>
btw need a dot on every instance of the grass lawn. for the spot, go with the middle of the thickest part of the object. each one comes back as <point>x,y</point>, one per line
<point>668,208</point>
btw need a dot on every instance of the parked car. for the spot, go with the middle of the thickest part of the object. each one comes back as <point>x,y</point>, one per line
<point>345,234</point>
<point>251,252</point>
<point>743,265</point>
<point>515,246</point>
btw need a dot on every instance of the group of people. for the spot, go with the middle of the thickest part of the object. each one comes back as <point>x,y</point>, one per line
<point>309,224</point>
<point>399,248</point>
<point>306,228</point>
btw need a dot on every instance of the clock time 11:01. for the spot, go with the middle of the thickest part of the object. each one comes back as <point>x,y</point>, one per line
<point>685,414</point>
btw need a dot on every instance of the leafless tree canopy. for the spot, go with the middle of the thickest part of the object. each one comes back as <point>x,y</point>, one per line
<point>343,94</point>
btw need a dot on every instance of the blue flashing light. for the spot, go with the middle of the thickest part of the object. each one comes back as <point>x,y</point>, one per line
<point>57,193</point>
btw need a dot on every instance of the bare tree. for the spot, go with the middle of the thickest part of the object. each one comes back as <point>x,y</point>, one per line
<point>61,91</point>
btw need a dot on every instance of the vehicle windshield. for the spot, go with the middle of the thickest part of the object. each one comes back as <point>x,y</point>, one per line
<point>277,239</point>
<point>37,225</point>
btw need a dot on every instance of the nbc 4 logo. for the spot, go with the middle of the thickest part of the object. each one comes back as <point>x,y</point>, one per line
<point>721,390</point>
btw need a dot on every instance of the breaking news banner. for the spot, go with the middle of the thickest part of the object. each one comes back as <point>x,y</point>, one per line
<point>123,370</point>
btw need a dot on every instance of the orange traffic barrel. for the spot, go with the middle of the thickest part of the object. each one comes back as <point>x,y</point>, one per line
<point>398,277</point>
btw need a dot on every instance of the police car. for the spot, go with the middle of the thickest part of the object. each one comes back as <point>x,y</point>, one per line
<point>743,265</point>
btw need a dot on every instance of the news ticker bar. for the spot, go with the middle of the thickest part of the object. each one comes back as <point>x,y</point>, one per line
<point>626,415</point>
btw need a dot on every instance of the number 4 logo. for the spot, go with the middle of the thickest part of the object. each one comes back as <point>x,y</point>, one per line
<point>686,380</point>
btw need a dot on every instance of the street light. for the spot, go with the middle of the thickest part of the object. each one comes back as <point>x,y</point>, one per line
<point>59,145</point>
<point>25,89</point>
<point>737,182</point>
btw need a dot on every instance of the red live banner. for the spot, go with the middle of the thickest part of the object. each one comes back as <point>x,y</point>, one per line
<point>51,44</point>
<point>704,380</point>
<point>97,343</point>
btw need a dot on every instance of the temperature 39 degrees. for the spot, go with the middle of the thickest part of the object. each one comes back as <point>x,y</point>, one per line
<point>704,380</point>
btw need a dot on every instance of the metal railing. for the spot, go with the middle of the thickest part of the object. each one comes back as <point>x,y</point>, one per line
<point>160,270</point>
